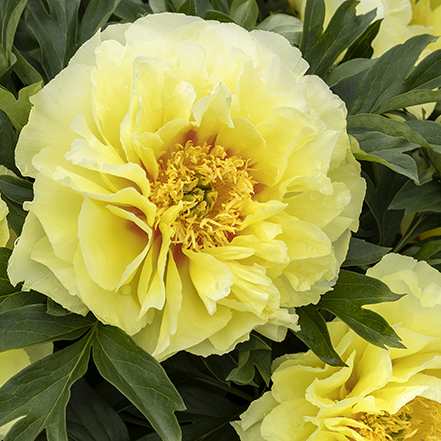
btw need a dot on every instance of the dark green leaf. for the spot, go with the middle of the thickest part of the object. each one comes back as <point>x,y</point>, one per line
<point>10,13</point>
<point>90,418</point>
<point>40,393</point>
<point>96,15</point>
<point>362,48</point>
<point>426,74</point>
<point>30,325</point>
<point>16,189</point>
<point>16,215</point>
<point>414,198</point>
<point>385,79</point>
<point>25,71</point>
<point>53,308</point>
<point>428,250</point>
<point>389,127</point>
<point>420,224</point>
<point>363,253</point>
<point>8,140</point>
<point>244,13</point>
<point>386,150</point>
<point>411,98</point>
<point>351,292</point>
<point>131,9</point>
<point>218,16</point>
<point>249,361</point>
<point>429,130</point>
<point>314,333</point>
<point>140,378</point>
<point>379,195</point>
<point>55,30</point>
<point>188,7</point>
<point>321,49</point>
<point>287,25</point>
<point>221,6</point>
<point>349,69</point>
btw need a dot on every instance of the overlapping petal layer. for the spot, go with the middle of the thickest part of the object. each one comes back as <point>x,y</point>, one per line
<point>381,394</point>
<point>191,184</point>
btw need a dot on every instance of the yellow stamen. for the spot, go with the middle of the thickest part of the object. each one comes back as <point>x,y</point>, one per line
<point>212,186</point>
<point>418,420</point>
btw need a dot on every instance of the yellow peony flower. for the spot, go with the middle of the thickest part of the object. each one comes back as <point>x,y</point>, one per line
<point>402,19</point>
<point>382,395</point>
<point>191,184</point>
<point>13,361</point>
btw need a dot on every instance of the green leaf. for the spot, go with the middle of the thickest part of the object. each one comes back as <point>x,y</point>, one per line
<point>55,30</point>
<point>417,198</point>
<point>361,252</point>
<point>249,361</point>
<point>91,418</point>
<point>140,378</point>
<point>429,130</point>
<point>40,392</point>
<point>131,9</point>
<point>351,292</point>
<point>29,325</point>
<point>362,47</point>
<point>349,69</point>
<point>218,16</point>
<point>389,127</point>
<point>321,49</point>
<point>25,71</point>
<point>244,13</point>
<point>96,15</point>
<point>385,79</point>
<point>16,189</point>
<point>9,140</point>
<point>16,215</point>
<point>10,13</point>
<point>188,7</point>
<point>411,98</point>
<point>18,110</point>
<point>221,6</point>
<point>428,250</point>
<point>208,415</point>
<point>314,333</point>
<point>287,25</point>
<point>53,308</point>
<point>426,74</point>
<point>387,150</point>
<point>420,224</point>
<point>379,195</point>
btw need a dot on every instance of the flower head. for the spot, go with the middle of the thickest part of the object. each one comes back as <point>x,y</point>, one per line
<point>381,395</point>
<point>191,184</point>
<point>401,19</point>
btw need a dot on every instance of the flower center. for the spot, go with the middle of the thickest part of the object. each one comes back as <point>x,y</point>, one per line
<point>420,419</point>
<point>210,186</point>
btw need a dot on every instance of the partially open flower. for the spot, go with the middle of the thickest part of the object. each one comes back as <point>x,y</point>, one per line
<point>381,395</point>
<point>13,361</point>
<point>402,19</point>
<point>191,184</point>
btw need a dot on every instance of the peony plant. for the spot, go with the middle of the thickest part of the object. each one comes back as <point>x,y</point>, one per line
<point>379,394</point>
<point>198,197</point>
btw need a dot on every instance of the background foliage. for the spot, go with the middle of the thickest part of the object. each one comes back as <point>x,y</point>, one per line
<point>98,384</point>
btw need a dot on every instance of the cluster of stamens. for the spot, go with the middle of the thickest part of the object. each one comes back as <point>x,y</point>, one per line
<point>211,186</point>
<point>420,419</point>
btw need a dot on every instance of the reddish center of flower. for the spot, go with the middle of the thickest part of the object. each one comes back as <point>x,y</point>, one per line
<point>210,187</point>
<point>418,420</point>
